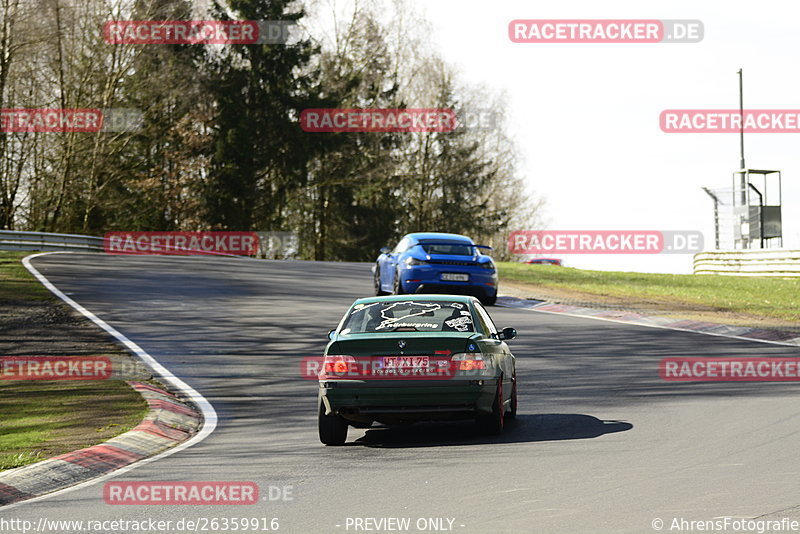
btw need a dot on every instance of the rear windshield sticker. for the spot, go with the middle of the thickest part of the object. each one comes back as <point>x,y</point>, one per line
<point>421,308</point>
<point>412,325</point>
<point>461,324</point>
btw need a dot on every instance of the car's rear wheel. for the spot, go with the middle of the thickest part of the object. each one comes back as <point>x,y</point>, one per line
<point>376,279</point>
<point>398,285</point>
<point>332,428</point>
<point>489,300</point>
<point>512,412</point>
<point>493,423</point>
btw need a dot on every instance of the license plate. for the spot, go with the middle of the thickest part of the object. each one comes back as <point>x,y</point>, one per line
<point>455,277</point>
<point>406,362</point>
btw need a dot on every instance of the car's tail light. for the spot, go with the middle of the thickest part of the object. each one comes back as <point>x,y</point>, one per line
<point>414,261</point>
<point>339,365</point>
<point>468,361</point>
<point>487,265</point>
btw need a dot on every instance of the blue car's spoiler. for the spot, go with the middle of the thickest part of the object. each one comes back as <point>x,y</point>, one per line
<point>452,243</point>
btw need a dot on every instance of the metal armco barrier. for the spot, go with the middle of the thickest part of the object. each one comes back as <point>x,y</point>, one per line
<point>272,245</point>
<point>11,240</point>
<point>769,262</point>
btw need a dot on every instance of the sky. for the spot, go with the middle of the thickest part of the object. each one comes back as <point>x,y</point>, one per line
<point>586,116</point>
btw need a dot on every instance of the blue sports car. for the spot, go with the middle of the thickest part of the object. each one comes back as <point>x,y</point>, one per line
<point>436,263</point>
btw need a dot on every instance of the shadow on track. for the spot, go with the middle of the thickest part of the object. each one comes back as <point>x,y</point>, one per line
<point>525,429</point>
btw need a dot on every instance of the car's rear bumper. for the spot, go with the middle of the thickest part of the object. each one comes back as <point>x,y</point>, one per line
<point>409,400</point>
<point>427,279</point>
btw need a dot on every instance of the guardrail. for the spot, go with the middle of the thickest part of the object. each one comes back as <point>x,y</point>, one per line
<point>272,245</point>
<point>44,241</point>
<point>764,262</point>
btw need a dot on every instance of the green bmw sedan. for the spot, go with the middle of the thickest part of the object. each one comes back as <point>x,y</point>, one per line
<point>406,358</point>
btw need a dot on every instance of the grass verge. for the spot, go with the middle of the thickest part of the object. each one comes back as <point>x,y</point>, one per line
<point>41,419</point>
<point>762,299</point>
<point>16,283</point>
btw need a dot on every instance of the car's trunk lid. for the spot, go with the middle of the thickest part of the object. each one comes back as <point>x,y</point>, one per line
<point>404,343</point>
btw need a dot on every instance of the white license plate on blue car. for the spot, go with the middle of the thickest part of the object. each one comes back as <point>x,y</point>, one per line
<point>455,277</point>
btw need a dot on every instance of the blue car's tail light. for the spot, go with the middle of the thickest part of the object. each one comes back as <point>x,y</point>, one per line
<point>415,261</point>
<point>487,265</point>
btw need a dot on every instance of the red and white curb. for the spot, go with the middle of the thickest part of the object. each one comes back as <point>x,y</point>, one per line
<point>763,335</point>
<point>167,429</point>
<point>168,423</point>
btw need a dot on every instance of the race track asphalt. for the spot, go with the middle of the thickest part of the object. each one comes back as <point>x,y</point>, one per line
<point>601,444</point>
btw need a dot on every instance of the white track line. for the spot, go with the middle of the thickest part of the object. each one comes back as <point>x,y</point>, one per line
<point>662,327</point>
<point>209,414</point>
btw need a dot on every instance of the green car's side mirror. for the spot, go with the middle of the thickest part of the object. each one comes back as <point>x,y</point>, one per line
<point>331,333</point>
<point>507,333</point>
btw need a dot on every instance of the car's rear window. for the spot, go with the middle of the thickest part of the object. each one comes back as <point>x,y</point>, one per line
<point>455,249</point>
<point>408,316</point>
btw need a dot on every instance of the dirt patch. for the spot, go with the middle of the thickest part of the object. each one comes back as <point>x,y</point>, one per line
<point>49,328</point>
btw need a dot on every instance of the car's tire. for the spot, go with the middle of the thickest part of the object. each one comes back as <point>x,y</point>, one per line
<point>493,423</point>
<point>376,281</point>
<point>512,412</point>
<point>332,428</point>
<point>397,285</point>
<point>489,300</point>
